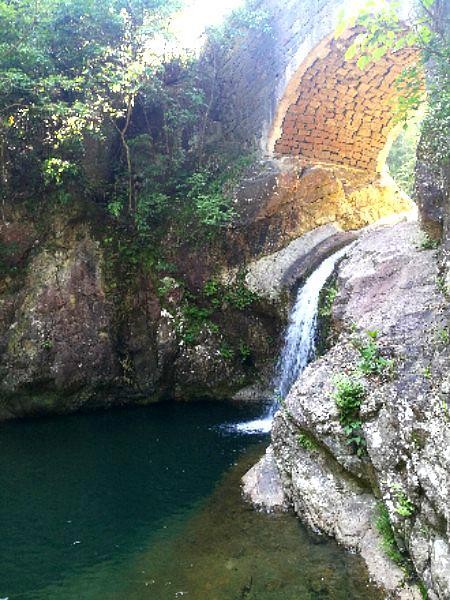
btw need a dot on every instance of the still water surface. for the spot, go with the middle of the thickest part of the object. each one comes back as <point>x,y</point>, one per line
<point>145,504</point>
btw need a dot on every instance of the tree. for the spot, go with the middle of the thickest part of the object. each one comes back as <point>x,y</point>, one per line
<point>67,68</point>
<point>427,31</point>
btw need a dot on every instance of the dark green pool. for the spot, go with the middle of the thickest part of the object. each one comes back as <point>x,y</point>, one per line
<point>145,503</point>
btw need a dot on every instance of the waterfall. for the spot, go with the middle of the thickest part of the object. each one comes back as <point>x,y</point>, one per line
<point>299,341</point>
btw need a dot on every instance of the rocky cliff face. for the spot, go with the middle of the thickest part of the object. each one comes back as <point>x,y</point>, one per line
<point>392,465</point>
<point>83,326</point>
<point>281,200</point>
<point>80,330</point>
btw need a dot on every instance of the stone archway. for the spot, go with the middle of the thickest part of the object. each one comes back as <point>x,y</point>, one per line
<point>333,112</point>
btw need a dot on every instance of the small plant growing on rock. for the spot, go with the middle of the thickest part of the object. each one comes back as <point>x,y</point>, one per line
<point>372,362</point>
<point>403,505</point>
<point>306,441</point>
<point>441,285</point>
<point>212,291</point>
<point>244,351</point>
<point>240,296</point>
<point>192,321</point>
<point>388,543</point>
<point>443,335</point>
<point>349,395</point>
<point>427,372</point>
<point>47,344</point>
<point>226,352</point>
<point>327,302</point>
<point>428,243</point>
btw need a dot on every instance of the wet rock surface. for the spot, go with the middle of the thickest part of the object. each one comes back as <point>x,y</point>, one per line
<point>389,285</point>
<point>271,275</point>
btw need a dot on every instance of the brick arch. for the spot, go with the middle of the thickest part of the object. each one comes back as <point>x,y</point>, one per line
<point>333,112</point>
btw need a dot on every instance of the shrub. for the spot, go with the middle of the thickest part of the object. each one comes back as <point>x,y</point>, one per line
<point>403,505</point>
<point>372,362</point>
<point>349,395</point>
<point>210,205</point>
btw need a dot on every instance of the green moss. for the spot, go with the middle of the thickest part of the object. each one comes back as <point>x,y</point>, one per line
<point>326,299</point>
<point>388,542</point>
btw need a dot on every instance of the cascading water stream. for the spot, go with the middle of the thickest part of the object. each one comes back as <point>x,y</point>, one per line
<point>299,341</point>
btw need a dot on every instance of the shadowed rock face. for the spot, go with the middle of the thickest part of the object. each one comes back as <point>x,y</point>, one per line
<point>73,336</point>
<point>389,285</point>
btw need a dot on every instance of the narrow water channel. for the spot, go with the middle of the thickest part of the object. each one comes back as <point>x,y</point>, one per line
<point>145,503</point>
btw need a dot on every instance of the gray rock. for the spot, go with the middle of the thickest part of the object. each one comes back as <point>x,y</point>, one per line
<point>269,275</point>
<point>262,485</point>
<point>386,284</point>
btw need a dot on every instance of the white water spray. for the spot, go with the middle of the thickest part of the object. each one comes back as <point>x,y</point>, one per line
<point>299,341</point>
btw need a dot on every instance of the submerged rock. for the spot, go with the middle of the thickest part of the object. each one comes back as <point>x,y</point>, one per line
<point>389,287</point>
<point>262,485</point>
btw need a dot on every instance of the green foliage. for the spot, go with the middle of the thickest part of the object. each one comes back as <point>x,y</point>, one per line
<point>441,285</point>
<point>403,505</point>
<point>210,205</point>
<point>372,362</point>
<point>401,160</point>
<point>212,290</point>
<point>236,295</point>
<point>244,351</point>
<point>81,79</point>
<point>47,344</point>
<point>57,171</point>
<point>239,296</point>
<point>194,319</point>
<point>383,31</point>
<point>326,306</point>
<point>443,335</point>
<point>349,395</point>
<point>388,542</point>
<point>427,372</point>
<point>423,590</point>
<point>149,208</point>
<point>164,266</point>
<point>428,243</point>
<point>68,68</point>
<point>306,441</point>
<point>226,352</point>
<point>167,284</point>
